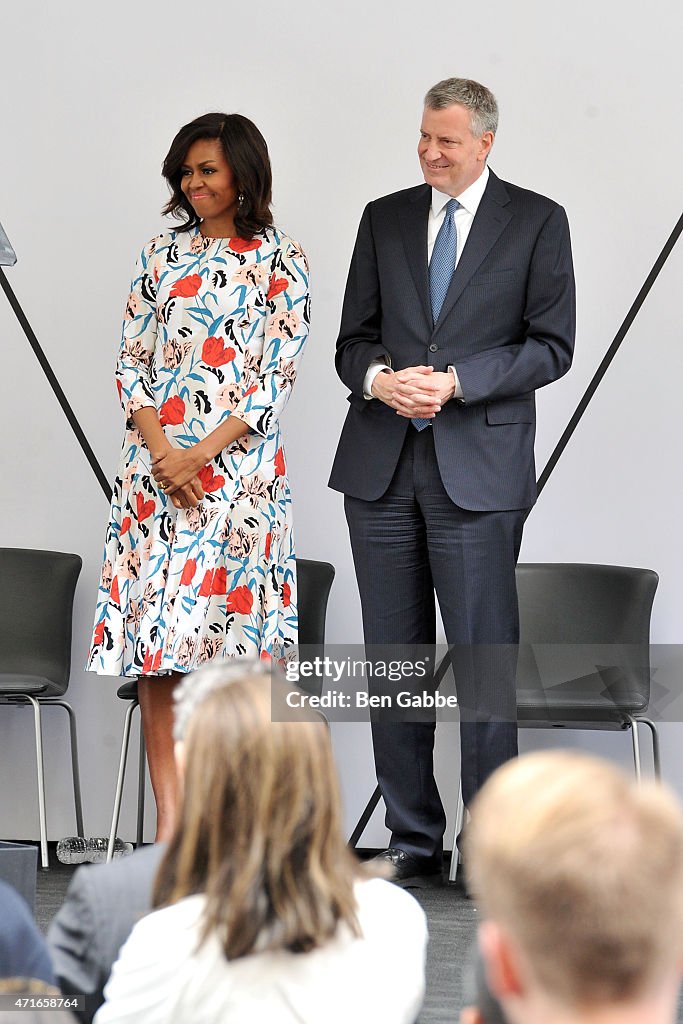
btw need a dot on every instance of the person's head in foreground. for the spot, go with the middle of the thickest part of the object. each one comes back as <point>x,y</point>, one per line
<point>578,872</point>
<point>260,817</point>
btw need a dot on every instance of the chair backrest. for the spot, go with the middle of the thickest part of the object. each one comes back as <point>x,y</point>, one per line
<point>592,623</point>
<point>36,604</point>
<point>314,580</point>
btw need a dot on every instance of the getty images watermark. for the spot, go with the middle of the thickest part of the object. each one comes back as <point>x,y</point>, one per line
<point>348,683</point>
<point>336,671</point>
<point>414,683</point>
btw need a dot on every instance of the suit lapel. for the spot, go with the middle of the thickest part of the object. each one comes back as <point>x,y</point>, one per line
<point>488,224</point>
<point>413,218</point>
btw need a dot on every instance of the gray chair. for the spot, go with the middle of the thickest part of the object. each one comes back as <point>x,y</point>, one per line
<point>314,581</point>
<point>36,604</point>
<point>584,654</point>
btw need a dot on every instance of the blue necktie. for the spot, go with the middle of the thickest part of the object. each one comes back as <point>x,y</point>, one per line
<point>441,267</point>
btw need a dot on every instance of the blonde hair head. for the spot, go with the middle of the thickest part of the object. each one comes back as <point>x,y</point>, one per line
<point>584,869</point>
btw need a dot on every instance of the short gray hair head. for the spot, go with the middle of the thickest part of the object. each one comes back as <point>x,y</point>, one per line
<point>194,688</point>
<point>476,98</point>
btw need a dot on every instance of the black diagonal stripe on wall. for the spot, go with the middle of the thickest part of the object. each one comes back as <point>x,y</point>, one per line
<point>55,385</point>
<point>610,354</point>
<point>445,662</point>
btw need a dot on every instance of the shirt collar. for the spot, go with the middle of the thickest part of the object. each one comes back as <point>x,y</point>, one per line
<point>469,199</point>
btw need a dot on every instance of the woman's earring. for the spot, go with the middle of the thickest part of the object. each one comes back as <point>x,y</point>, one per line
<point>240,198</point>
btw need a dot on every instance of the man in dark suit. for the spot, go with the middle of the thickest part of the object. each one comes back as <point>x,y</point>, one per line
<point>101,905</point>
<point>458,306</point>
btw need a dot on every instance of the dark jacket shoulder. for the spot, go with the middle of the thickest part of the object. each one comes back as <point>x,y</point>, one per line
<point>523,197</point>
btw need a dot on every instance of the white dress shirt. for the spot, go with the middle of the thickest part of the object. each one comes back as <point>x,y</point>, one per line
<point>469,204</point>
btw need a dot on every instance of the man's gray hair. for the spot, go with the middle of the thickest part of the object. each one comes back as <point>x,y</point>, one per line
<point>197,686</point>
<point>479,100</point>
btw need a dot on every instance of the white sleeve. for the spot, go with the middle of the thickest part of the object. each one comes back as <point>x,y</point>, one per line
<point>458,389</point>
<point>376,366</point>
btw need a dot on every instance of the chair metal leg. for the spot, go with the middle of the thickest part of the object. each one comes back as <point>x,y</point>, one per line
<point>457,827</point>
<point>142,767</point>
<point>40,767</point>
<point>655,745</point>
<point>120,780</point>
<point>78,804</point>
<point>636,746</point>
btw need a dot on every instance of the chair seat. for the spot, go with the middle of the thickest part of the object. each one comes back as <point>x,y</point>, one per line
<point>559,704</point>
<point>11,683</point>
<point>128,690</point>
<point>573,718</point>
<point>603,694</point>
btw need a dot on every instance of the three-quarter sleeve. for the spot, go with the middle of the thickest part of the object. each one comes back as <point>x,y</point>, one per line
<point>139,337</point>
<point>286,330</point>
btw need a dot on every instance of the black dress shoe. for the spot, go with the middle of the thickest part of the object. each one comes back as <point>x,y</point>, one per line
<point>412,872</point>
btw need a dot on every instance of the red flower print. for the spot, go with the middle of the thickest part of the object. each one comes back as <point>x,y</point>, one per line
<point>186,287</point>
<point>275,286</point>
<point>209,480</point>
<point>119,388</point>
<point>244,244</point>
<point>99,633</point>
<point>152,663</point>
<point>250,391</point>
<point>279,462</point>
<point>145,508</point>
<point>240,600</point>
<point>114,594</point>
<point>269,538</point>
<point>265,656</point>
<point>172,412</point>
<point>205,587</point>
<point>220,580</point>
<point>214,352</point>
<point>189,569</point>
<point>286,595</point>
<point>125,526</point>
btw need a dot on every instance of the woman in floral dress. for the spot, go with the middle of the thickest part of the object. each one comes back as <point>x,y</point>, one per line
<point>199,555</point>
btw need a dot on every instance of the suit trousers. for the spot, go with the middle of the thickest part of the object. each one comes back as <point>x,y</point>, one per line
<point>406,545</point>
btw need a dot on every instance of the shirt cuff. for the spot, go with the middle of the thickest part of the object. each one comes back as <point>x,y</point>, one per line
<point>458,390</point>
<point>376,366</point>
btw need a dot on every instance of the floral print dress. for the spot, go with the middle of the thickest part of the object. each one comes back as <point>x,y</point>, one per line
<point>213,327</point>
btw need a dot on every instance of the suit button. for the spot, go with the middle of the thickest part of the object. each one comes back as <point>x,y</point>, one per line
<point>433,348</point>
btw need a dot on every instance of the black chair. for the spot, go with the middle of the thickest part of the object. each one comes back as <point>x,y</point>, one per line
<point>584,655</point>
<point>314,581</point>
<point>36,605</point>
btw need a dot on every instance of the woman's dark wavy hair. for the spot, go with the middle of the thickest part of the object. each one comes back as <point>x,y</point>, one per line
<point>245,150</point>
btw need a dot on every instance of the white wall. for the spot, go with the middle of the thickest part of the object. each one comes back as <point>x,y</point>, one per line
<point>589,96</point>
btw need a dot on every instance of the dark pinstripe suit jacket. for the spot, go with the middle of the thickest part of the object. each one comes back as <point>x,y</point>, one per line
<point>507,325</point>
<point>101,906</point>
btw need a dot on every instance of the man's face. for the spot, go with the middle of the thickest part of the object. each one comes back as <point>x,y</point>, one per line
<point>450,156</point>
